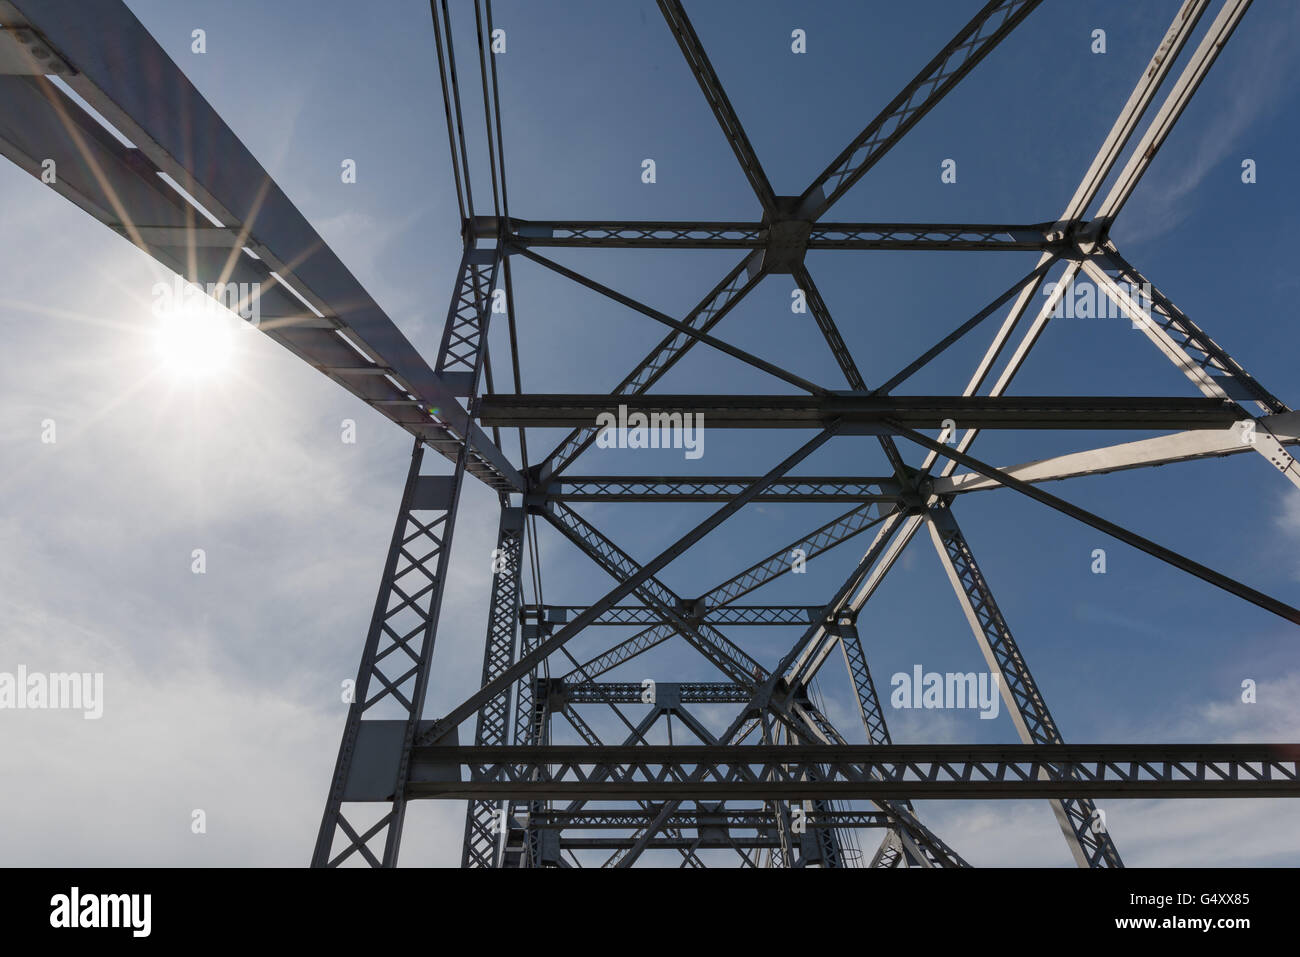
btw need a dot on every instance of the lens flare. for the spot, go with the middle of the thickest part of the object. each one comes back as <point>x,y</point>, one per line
<point>195,338</point>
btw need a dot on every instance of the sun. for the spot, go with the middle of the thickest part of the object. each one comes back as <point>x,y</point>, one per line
<point>194,337</point>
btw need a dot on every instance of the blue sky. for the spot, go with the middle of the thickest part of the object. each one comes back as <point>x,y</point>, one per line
<point>222,690</point>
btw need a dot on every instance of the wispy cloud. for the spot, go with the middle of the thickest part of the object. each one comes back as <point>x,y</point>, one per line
<point>1287,524</point>
<point>1243,94</point>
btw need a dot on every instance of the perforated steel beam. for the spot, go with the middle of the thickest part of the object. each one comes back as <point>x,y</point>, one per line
<point>702,609</point>
<point>630,584</point>
<point>668,488</point>
<point>948,772</point>
<point>722,235</point>
<point>729,615</point>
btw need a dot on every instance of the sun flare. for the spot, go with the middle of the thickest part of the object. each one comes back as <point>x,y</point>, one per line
<point>194,339</point>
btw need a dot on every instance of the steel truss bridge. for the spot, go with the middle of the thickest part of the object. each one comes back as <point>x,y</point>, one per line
<point>779,785</point>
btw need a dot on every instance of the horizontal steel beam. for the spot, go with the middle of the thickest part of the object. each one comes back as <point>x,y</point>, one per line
<point>729,615</point>
<point>731,235</point>
<point>591,819</point>
<point>861,414</point>
<point>665,693</point>
<point>671,488</point>
<point>708,843</point>
<point>853,772</point>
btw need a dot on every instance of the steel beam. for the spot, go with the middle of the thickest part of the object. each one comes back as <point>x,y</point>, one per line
<point>374,755</point>
<point>1184,342</point>
<point>315,307</point>
<point>683,328</point>
<point>670,488</point>
<point>1144,453</point>
<point>727,616</point>
<point>723,297</point>
<point>1170,557</point>
<point>972,44</point>
<point>632,692</point>
<point>1126,123</point>
<point>528,661</point>
<point>723,235</point>
<point>1203,57</point>
<point>864,414</point>
<point>732,818</point>
<point>1198,356</point>
<point>711,86</point>
<point>1090,844</point>
<point>868,772</point>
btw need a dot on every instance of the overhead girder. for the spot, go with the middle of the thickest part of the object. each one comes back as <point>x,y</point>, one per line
<point>859,414</point>
<point>262,239</point>
<point>721,235</point>
<point>868,772</point>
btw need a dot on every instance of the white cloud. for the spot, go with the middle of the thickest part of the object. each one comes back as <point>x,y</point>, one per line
<point>1287,523</point>
<point>1250,92</point>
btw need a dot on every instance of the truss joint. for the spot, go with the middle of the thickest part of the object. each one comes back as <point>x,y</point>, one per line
<point>787,235</point>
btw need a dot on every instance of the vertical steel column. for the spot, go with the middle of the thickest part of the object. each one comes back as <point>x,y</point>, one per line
<point>530,728</point>
<point>374,755</point>
<point>373,759</point>
<point>485,820</point>
<point>873,723</point>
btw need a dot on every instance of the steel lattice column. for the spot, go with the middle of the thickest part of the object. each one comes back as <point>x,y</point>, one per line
<point>374,757</point>
<point>531,727</point>
<point>1033,721</point>
<point>893,851</point>
<point>484,820</point>
<point>823,844</point>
